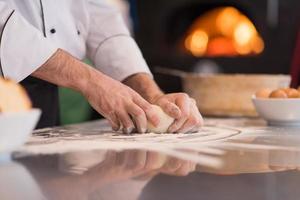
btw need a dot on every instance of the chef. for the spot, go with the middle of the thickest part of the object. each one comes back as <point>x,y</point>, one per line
<point>42,45</point>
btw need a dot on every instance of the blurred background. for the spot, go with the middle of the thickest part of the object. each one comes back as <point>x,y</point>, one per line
<point>205,36</point>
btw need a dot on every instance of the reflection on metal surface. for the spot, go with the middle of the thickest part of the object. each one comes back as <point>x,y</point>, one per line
<point>99,174</point>
<point>92,173</point>
<point>16,182</point>
<point>252,162</point>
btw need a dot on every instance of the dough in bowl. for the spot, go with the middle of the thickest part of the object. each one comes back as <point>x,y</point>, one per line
<point>164,121</point>
<point>13,97</point>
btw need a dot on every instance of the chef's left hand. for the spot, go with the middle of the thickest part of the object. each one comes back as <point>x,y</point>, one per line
<point>184,109</point>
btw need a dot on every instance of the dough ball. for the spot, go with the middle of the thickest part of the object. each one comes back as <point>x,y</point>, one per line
<point>263,93</point>
<point>278,94</point>
<point>164,121</point>
<point>293,93</point>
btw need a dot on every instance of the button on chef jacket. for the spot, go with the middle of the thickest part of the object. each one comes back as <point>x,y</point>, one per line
<point>33,30</point>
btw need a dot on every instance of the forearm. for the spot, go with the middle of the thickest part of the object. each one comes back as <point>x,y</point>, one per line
<point>64,70</point>
<point>145,86</point>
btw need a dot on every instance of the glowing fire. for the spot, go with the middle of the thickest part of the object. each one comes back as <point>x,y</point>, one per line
<point>223,32</point>
<point>197,42</point>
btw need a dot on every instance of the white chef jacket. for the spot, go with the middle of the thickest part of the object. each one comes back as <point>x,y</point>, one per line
<point>33,30</point>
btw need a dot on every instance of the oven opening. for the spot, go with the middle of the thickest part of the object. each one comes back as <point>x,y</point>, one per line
<point>222,32</point>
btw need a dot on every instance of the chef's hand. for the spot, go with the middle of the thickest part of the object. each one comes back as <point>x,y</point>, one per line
<point>183,108</point>
<point>121,105</point>
<point>178,105</point>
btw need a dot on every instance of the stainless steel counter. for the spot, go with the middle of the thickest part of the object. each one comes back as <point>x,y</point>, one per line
<point>229,159</point>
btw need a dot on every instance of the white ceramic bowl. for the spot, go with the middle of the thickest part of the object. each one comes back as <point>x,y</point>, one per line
<point>278,112</point>
<point>15,129</point>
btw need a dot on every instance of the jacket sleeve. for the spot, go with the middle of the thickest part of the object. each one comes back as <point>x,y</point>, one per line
<point>110,46</point>
<point>23,48</point>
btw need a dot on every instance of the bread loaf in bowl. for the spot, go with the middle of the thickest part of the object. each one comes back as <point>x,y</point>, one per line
<point>13,97</point>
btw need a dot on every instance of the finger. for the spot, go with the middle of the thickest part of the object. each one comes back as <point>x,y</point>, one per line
<point>113,121</point>
<point>183,102</point>
<point>169,108</point>
<point>126,122</point>
<point>200,123</point>
<point>193,101</point>
<point>110,160</point>
<point>155,160</point>
<point>184,169</point>
<point>121,159</point>
<point>171,165</point>
<point>146,176</point>
<point>136,160</point>
<point>193,166</point>
<point>188,126</point>
<point>151,115</point>
<point>196,129</point>
<point>193,122</point>
<point>197,112</point>
<point>139,117</point>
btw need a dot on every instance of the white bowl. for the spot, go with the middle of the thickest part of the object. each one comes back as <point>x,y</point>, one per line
<point>278,112</point>
<point>15,129</point>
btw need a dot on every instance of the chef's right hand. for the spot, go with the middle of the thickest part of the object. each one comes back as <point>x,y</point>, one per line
<point>122,106</point>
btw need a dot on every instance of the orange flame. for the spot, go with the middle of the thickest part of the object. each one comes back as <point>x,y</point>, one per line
<point>223,32</point>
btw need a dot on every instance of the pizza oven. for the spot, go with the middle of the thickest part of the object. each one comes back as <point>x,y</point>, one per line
<point>217,36</point>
